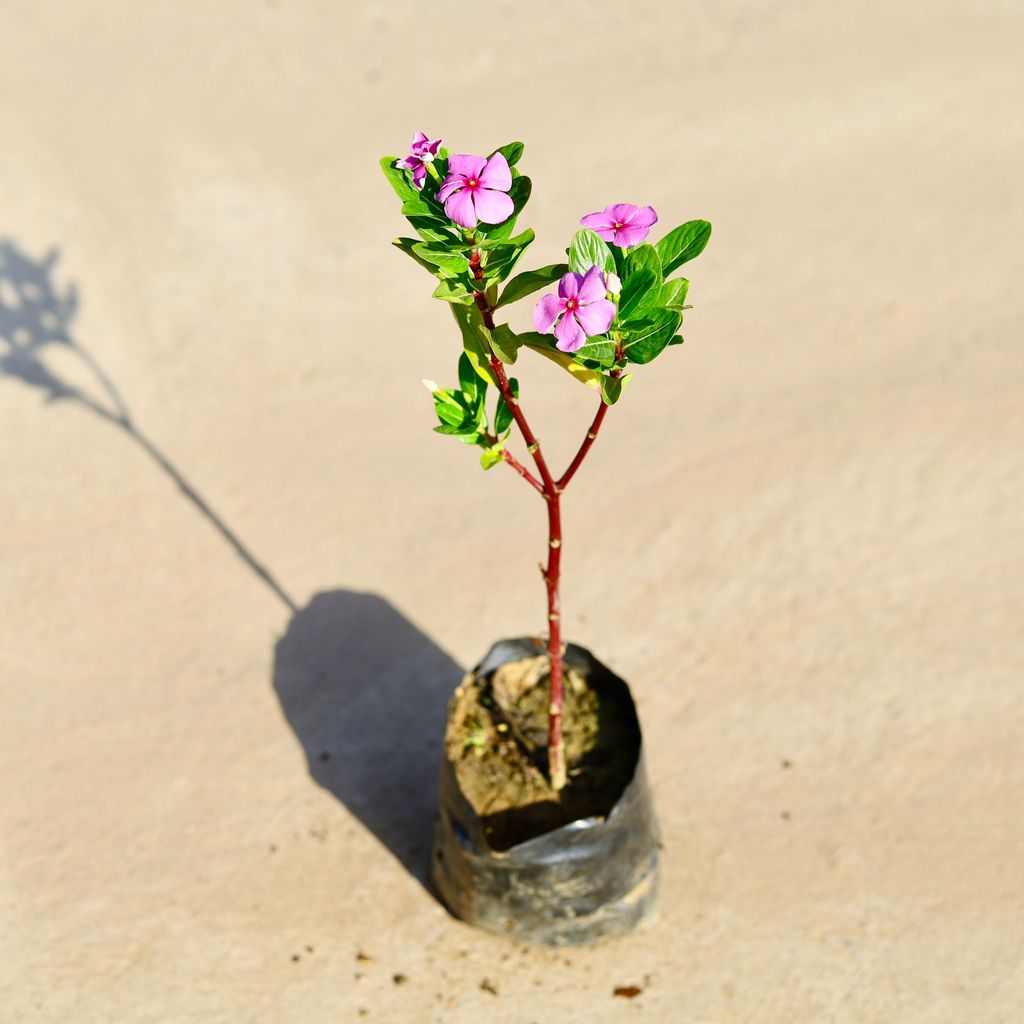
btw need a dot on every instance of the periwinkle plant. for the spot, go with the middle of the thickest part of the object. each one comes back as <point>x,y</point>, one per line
<point>615,305</point>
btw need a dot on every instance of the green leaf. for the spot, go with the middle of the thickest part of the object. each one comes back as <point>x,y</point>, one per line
<point>587,249</point>
<point>511,151</point>
<point>453,289</point>
<point>432,230</point>
<point>599,350</point>
<point>474,339</point>
<point>639,293</point>
<point>620,260</point>
<point>646,339</point>
<point>523,239</point>
<point>505,343</point>
<point>492,456</point>
<point>501,257</point>
<point>457,417</point>
<point>449,410</point>
<point>468,379</point>
<point>530,281</point>
<point>446,262</point>
<point>419,207</point>
<point>450,430</point>
<point>503,414</point>
<point>683,244</point>
<point>397,179</point>
<point>408,246</point>
<point>673,293</point>
<point>643,257</point>
<point>611,389</point>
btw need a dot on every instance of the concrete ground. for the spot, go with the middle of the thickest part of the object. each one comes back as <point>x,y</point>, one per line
<point>240,574</point>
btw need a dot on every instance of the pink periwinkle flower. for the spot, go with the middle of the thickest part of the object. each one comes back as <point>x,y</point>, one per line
<point>477,190</point>
<point>579,311</point>
<point>622,224</point>
<point>421,152</point>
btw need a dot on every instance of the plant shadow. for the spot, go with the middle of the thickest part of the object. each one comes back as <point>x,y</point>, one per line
<point>365,691</point>
<point>35,316</point>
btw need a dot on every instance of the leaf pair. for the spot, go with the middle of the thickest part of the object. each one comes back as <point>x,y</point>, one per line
<point>462,413</point>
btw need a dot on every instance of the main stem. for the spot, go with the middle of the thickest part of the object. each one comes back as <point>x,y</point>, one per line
<point>551,490</point>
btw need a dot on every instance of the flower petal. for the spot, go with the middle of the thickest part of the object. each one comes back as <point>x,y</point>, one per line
<point>568,334</point>
<point>596,317</point>
<point>600,223</point>
<point>621,212</point>
<point>409,163</point>
<point>419,176</point>
<point>497,173</point>
<point>467,165</point>
<point>460,208</point>
<point>449,185</point>
<point>592,287</point>
<point>569,286</point>
<point>631,234</point>
<point>546,312</point>
<point>493,207</point>
<point>645,217</point>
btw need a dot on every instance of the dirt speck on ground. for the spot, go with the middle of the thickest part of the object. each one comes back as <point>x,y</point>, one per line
<point>627,991</point>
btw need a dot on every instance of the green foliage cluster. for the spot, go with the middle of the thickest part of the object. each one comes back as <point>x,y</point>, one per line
<point>474,268</point>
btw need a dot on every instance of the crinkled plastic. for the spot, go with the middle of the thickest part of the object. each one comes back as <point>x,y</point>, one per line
<point>591,879</point>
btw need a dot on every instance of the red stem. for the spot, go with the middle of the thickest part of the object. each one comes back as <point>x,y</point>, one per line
<point>551,490</point>
<point>522,471</point>
<point>585,447</point>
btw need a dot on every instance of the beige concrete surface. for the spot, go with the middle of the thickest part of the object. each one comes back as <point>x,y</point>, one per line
<point>799,536</point>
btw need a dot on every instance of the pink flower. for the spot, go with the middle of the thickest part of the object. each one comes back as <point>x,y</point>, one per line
<point>623,224</point>
<point>421,152</point>
<point>579,310</point>
<point>477,189</point>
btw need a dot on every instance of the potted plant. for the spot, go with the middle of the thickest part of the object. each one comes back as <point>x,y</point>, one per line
<point>546,828</point>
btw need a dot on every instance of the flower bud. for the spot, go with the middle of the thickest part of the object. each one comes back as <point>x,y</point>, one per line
<point>612,283</point>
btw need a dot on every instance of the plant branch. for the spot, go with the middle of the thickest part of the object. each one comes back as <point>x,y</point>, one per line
<point>591,437</point>
<point>585,447</point>
<point>508,457</point>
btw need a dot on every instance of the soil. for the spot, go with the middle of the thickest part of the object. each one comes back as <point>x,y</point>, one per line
<point>496,741</point>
